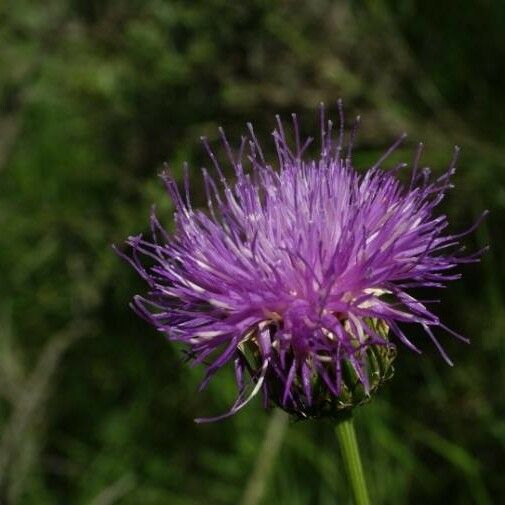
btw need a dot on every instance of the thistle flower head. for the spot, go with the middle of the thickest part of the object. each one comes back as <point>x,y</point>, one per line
<point>299,272</point>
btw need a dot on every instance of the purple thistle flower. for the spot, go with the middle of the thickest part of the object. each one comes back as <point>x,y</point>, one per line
<point>298,274</point>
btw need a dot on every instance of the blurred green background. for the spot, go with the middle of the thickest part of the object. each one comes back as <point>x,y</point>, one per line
<point>95,406</point>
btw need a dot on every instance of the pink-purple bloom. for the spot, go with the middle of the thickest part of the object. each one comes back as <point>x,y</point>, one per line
<point>298,268</point>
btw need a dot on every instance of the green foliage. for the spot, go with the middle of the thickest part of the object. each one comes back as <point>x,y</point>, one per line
<point>95,407</point>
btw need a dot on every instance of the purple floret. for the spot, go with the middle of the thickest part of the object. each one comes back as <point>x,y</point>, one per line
<point>287,270</point>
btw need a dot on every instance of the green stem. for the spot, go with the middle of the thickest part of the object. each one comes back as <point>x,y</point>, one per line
<point>350,454</point>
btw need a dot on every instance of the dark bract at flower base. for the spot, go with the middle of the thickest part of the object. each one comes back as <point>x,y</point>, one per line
<point>353,390</point>
<point>298,273</point>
